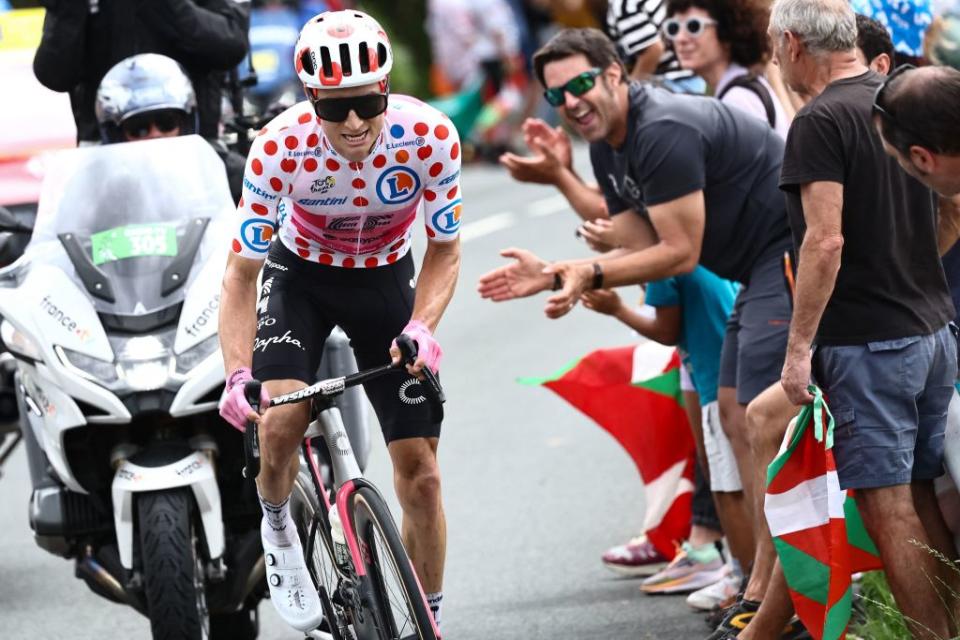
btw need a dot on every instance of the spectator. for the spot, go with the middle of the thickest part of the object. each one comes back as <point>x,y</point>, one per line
<point>725,43</point>
<point>634,26</point>
<point>874,46</point>
<point>149,96</point>
<point>918,116</point>
<point>691,311</point>
<point>702,174</point>
<point>872,299</point>
<point>82,40</point>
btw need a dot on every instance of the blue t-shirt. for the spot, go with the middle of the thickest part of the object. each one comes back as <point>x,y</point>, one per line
<point>705,302</point>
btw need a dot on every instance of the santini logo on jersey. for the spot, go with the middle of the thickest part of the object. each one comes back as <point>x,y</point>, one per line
<point>254,189</point>
<point>323,202</point>
<point>397,185</point>
<point>449,179</point>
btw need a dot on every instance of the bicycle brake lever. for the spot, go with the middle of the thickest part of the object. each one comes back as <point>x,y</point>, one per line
<point>434,392</point>
<point>251,441</point>
<point>408,349</point>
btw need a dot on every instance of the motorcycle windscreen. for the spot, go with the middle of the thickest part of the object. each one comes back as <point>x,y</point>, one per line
<point>128,222</point>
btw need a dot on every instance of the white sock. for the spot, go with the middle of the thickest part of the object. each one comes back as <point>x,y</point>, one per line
<point>277,527</point>
<point>435,600</point>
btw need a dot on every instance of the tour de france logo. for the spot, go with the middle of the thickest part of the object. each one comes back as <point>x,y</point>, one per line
<point>397,185</point>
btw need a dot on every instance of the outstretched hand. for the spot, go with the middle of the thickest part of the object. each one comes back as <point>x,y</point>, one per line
<point>576,278</point>
<point>519,279</point>
<point>552,153</point>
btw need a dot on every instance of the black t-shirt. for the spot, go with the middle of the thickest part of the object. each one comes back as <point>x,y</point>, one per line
<point>891,283</point>
<point>679,144</point>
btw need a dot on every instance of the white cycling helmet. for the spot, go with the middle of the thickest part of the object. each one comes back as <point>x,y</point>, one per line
<point>339,49</point>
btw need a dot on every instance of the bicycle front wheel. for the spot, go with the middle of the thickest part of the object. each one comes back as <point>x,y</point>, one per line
<point>396,602</point>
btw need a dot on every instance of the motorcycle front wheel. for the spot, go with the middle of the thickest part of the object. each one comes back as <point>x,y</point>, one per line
<point>173,577</point>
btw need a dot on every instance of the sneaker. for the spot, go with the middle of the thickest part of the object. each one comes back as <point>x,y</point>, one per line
<point>291,588</point>
<point>691,569</point>
<point>795,631</point>
<point>635,558</point>
<point>736,620</point>
<point>717,595</point>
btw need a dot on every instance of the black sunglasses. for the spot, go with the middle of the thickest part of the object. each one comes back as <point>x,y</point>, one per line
<point>367,106</point>
<point>139,126</point>
<point>576,87</point>
<point>879,109</point>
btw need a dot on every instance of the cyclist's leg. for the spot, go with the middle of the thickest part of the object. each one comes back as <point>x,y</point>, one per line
<point>373,316</point>
<point>417,480</point>
<point>289,341</point>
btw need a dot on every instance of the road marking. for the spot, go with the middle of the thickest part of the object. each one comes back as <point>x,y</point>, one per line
<point>506,219</point>
<point>486,226</point>
<point>548,206</point>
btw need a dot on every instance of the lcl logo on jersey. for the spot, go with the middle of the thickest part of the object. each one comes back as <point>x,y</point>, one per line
<point>397,185</point>
<point>447,220</point>
<point>256,235</point>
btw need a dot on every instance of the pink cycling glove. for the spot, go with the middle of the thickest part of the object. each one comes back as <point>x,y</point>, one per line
<point>428,349</point>
<point>235,408</point>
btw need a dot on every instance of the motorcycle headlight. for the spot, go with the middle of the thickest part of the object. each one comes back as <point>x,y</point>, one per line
<point>192,357</point>
<point>18,342</point>
<point>94,369</point>
<point>145,375</point>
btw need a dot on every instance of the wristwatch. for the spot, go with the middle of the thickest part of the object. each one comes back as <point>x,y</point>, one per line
<point>597,276</point>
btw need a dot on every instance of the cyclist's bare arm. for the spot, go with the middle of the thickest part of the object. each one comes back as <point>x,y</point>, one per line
<point>437,281</point>
<point>238,316</point>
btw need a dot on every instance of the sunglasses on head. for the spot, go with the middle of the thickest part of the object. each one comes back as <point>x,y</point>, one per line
<point>576,87</point>
<point>367,106</point>
<point>139,126</point>
<point>693,26</point>
<point>879,109</point>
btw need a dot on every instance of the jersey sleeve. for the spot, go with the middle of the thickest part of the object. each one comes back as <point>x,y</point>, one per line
<point>256,219</point>
<point>442,198</point>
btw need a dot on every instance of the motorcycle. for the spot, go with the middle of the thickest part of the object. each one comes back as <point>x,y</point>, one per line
<point>111,316</point>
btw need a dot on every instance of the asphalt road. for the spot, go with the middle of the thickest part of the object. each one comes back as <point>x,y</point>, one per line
<point>533,491</point>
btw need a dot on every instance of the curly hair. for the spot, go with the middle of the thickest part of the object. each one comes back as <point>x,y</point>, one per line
<point>741,24</point>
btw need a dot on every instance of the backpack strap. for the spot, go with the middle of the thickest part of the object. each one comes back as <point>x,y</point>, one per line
<point>752,83</point>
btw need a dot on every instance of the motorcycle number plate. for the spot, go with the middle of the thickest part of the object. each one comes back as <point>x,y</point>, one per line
<point>134,241</point>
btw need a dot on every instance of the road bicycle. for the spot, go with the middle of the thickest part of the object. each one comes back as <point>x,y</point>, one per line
<point>366,582</point>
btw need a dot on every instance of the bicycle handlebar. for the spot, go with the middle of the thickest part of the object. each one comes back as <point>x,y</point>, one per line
<point>334,387</point>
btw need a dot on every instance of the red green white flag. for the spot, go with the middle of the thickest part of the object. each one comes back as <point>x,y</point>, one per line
<point>815,525</point>
<point>633,393</point>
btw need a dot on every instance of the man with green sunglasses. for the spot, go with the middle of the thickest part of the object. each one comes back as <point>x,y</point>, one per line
<point>686,181</point>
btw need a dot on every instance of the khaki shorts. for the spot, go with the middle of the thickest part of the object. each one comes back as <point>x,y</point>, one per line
<point>724,474</point>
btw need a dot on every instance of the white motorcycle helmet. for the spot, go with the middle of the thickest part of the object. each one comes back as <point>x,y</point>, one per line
<point>340,49</point>
<point>141,84</point>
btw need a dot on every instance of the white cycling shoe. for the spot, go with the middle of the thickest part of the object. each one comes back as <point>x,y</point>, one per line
<point>291,588</point>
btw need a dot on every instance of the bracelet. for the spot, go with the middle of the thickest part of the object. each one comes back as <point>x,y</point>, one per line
<point>557,282</point>
<point>597,276</point>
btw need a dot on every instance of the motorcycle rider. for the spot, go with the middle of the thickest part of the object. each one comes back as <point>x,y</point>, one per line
<point>354,163</point>
<point>149,96</point>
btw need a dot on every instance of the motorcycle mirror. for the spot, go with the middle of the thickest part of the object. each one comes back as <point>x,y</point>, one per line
<point>10,224</point>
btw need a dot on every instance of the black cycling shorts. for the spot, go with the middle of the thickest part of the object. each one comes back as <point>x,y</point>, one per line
<point>300,303</point>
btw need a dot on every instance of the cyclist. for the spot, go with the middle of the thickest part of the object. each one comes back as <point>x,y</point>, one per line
<point>352,165</point>
<point>149,96</point>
